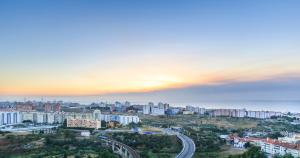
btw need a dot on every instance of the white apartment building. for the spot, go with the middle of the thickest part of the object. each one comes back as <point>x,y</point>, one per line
<point>292,138</point>
<point>147,109</point>
<point>125,120</point>
<point>9,117</point>
<point>196,110</point>
<point>122,119</point>
<point>157,111</point>
<point>274,147</point>
<point>150,109</point>
<point>270,146</point>
<point>262,114</point>
<point>42,117</point>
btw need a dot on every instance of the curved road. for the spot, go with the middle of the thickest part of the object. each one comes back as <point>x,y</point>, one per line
<point>188,149</point>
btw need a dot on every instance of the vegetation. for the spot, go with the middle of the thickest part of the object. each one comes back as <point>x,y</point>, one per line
<point>62,144</point>
<point>253,152</point>
<point>150,146</point>
<point>284,156</point>
<point>277,125</point>
<point>205,130</point>
<point>274,135</point>
<point>206,139</point>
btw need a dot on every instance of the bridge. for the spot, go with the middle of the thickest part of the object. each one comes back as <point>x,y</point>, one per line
<point>121,149</point>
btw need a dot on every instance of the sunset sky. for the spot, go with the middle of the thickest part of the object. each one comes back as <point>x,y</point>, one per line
<point>80,47</point>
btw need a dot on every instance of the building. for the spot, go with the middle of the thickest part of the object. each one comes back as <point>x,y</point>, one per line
<point>224,112</point>
<point>57,108</point>
<point>196,110</point>
<point>84,123</point>
<point>269,146</point>
<point>122,119</point>
<point>47,107</point>
<point>125,120</point>
<point>157,111</point>
<point>187,112</point>
<point>160,109</point>
<point>85,133</point>
<point>275,147</point>
<point>161,105</point>
<point>244,113</point>
<point>77,115</point>
<point>147,109</point>
<point>292,138</point>
<point>97,115</point>
<point>41,117</point>
<point>296,122</point>
<point>262,114</point>
<point>240,142</point>
<point>24,106</point>
<point>172,111</point>
<point>93,115</point>
<point>52,107</point>
<point>9,117</point>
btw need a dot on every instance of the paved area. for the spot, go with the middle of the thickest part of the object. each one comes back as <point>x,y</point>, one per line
<point>188,149</point>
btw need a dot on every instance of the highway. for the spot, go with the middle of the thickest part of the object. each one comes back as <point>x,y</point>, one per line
<point>188,149</point>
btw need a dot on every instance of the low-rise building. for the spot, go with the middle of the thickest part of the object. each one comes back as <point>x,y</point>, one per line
<point>275,147</point>
<point>293,138</point>
<point>188,112</point>
<point>85,133</point>
<point>269,146</point>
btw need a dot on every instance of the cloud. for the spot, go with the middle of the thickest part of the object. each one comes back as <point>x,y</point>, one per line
<point>278,88</point>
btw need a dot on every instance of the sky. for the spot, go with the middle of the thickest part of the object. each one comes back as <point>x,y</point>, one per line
<point>67,47</point>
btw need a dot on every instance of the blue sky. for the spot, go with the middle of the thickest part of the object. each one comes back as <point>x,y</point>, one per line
<point>59,47</point>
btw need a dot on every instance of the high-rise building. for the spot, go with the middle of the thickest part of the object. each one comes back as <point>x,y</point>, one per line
<point>9,117</point>
<point>47,107</point>
<point>24,106</point>
<point>147,109</point>
<point>57,108</point>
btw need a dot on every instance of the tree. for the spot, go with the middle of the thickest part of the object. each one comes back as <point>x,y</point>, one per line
<point>284,156</point>
<point>64,125</point>
<point>252,152</point>
<point>247,145</point>
<point>26,121</point>
<point>103,124</point>
<point>106,154</point>
<point>68,134</point>
<point>65,155</point>
<point>275,135</point>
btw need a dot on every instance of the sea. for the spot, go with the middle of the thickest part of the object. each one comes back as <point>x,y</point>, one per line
<point>265,105</point>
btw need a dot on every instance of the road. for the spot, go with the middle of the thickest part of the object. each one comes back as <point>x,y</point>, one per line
<point>188,149</point>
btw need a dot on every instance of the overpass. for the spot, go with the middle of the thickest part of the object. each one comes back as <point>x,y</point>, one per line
<point>121,149</point>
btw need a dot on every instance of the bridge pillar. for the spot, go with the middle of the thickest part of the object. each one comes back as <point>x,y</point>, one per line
<point>113,146</point>
<point>126,153</point>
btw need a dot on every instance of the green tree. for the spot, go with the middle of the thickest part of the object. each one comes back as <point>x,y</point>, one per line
<point>252,152</point>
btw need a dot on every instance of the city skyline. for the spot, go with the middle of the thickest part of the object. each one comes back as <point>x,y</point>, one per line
<point>64,48</point>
